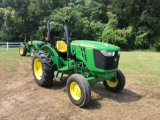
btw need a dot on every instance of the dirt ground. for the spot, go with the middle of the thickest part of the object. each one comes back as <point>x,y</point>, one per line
<point>22,99</point>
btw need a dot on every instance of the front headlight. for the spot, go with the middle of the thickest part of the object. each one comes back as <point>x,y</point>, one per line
<point>119,52</point>
<point>108,54</point>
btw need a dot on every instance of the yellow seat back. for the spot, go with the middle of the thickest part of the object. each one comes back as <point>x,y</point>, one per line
<point>29,42</point>
<point>61,46</point>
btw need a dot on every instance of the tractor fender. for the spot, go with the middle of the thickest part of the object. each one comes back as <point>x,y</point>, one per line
<point>53,55</point>
<point>26,46</point>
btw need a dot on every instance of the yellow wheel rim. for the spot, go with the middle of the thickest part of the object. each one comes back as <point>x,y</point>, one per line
<point>38,69</point>
<point>111,83</point>
<point>21,50</point>
<point>75,91</point>
<point>31,53</point>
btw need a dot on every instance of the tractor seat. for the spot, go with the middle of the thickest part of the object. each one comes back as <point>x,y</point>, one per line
<point>29,42</point>
<point>61,46</point>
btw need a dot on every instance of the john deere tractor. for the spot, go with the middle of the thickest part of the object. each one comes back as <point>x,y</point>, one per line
<point>29,46</point>
<point>86,62</point>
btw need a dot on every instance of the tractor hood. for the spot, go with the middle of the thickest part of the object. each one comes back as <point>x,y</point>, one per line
<point>95,45</point>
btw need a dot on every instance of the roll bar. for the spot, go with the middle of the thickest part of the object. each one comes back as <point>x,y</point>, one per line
<point>65,24</point>
<point>66,35</point>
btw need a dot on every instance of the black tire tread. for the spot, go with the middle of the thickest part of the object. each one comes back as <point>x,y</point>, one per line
<point>24,50</point>
<point>121,83</point>
<point>48,69</point>
<point>86,89</point>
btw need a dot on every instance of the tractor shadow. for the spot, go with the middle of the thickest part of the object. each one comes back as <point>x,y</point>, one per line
<point>59,84</point>
<point>26,56</point>
<point>99,93</point>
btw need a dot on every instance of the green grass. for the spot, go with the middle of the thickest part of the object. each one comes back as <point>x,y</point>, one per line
<point>11,61</point>
<point>12,58</point>
<point>141,67</point>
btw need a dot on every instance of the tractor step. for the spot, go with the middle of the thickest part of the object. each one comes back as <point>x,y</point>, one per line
<point>63,69</point>
<point>58,78</point>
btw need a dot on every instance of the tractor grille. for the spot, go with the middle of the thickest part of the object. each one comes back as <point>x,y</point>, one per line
<point>84,53</point>
<point>103,62</point>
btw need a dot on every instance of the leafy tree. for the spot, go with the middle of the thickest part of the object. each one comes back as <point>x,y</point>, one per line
<point>120,37</point>
<point>127,23</point>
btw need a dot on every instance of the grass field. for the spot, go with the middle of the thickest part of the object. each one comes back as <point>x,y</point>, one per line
<point>139,67</point>
<point>142,68</point>
<point>21,98</point>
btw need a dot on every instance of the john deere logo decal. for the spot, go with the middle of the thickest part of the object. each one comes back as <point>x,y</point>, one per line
<point>115,60</point>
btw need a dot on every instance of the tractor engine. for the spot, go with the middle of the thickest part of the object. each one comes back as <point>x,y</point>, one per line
<point>96,56</point>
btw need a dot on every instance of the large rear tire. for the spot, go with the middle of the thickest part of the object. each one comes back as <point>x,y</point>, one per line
<point>43,69</point>
<point>78,90</point>
<point>22,50</point>
<point>117,85</point>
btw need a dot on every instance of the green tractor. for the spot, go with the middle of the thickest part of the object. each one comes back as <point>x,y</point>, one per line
<point>86,62</point>
<point>29,46</point>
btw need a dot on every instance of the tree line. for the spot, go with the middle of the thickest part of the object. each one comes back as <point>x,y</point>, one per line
<point>130,24</point>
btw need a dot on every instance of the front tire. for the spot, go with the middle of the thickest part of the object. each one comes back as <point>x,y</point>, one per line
<point>117,85</point>
<point>22,50</point>
<point>43,69</point>
<point>78,90</point>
